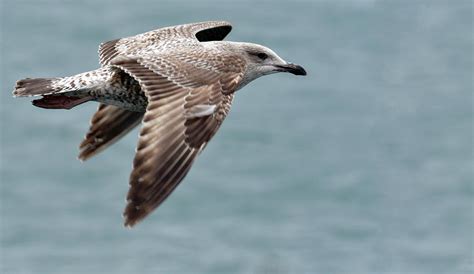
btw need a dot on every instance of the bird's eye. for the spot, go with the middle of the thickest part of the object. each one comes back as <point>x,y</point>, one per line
<point>262,55</point>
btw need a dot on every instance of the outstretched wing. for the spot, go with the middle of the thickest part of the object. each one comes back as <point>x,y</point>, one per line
<point>160,39</point>
<point>108,125</point>
<point>182,115</point>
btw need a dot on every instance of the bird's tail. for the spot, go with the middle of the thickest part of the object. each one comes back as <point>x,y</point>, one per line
<point>61,93</point>
<point>36,86</point>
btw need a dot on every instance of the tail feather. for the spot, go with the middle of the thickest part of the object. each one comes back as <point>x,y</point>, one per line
<point>35,86</point>
<point>60,101</point>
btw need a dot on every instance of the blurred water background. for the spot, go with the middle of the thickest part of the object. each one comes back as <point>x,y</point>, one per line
<point>363,166</point>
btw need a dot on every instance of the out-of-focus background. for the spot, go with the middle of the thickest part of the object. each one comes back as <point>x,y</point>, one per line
<point>363,166</point>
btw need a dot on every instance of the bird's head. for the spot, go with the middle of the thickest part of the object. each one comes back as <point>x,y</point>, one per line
<point>265,61</point>
<point>261,61</point>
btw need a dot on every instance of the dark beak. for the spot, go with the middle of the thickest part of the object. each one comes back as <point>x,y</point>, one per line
<point>291,68</point>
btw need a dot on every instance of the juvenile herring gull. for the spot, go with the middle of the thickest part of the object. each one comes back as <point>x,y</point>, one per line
<point>177,81</point>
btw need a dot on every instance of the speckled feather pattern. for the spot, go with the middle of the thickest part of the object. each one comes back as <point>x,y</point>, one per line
<point>175,73</point>
<point>177,81</point>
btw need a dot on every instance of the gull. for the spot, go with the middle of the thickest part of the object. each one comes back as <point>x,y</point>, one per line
<point>178,82</point>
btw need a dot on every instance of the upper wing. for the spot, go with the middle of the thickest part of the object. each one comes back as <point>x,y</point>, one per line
<point>108,125</point>
<point>181,117</point>
<point>156,40</point>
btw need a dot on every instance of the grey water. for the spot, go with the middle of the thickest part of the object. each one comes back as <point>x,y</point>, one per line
<point>363,166</point>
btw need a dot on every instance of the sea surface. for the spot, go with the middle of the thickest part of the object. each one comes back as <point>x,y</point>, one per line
<point>363,166</point>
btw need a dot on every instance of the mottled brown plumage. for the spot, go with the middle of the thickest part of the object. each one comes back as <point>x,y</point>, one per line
<point>178,81</point>
<point>108,125</point>
<point>169,141</point>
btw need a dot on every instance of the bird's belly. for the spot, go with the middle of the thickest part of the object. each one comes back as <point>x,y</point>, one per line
<point>129,97</point>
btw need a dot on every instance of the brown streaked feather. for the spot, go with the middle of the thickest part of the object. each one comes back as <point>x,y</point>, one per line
<point>169,141</point>
<point>107,51</point>
<point>156,40</point>
<point>108,125</point>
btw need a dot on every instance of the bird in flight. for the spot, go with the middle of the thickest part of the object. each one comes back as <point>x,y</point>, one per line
<point>178,82</point>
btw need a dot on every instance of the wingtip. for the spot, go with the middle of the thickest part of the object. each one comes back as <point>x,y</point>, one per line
<point>128,222</point>
<point>85,153</point>
<point>82,157</point>
<point>127,225</point>
<point>133,214</point>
